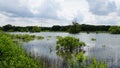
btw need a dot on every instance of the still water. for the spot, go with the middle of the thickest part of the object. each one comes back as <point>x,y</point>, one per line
<point>106,47</point>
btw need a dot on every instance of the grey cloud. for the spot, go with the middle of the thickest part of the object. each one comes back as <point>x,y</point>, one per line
<point>48,9</point>
<point>80,17</point>
<point>13,7</point>
<point>102,7</point>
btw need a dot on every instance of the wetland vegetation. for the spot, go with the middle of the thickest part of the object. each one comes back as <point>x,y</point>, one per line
<point>69,48</point>
<point>13,55</point>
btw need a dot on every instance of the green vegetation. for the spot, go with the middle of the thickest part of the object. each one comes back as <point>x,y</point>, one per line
<point>40,37</point>
<point>10,28</point>
<point>70,49</point>
<point>77,27</point>
<point>69,44</point>
<point>114,29</point>
<point>35,29</point>
<point>13,56</point>
<point>96,64</point>
<point>49,36</point>
<point>24,37</point>
<point>93,39</point>
<point>58,37</point>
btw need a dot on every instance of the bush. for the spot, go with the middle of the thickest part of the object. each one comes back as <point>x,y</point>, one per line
<point>69,44</point>
<point>74,28</point>
<point>13,56</point>
<point>114,29</point>
<point>70,49</point>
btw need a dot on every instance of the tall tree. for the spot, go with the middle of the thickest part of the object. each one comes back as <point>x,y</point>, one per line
<point>8,27</point>
<point>75,27</point>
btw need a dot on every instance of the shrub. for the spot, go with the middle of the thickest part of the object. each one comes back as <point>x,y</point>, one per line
<point>114,29</point>
<point>13,56</point>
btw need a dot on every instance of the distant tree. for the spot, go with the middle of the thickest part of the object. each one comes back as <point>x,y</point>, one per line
<point>56,28</point>
<point>114,29</point>
<point>35,29</point>
<point>74,28</point>
<point>8,27</point>
<point>0,28</point>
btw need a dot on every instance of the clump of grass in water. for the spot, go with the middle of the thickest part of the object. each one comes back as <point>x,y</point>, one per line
<point>49,36</point>
<point>40,37</point>
<point>93,39</point>
<point>24,37</point>
<point>58,37</point>
<point>48,39</point>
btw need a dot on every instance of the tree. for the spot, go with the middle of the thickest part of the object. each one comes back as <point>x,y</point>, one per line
<point>74,28</point>
<point>114,29</point>
<point>35,29</point>
<point>8,27</point>
<point>56,28</point>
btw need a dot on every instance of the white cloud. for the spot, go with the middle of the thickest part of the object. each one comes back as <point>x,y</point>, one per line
<point>59,12</point>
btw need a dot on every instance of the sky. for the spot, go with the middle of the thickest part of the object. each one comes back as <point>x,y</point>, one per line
<point>59,12</point>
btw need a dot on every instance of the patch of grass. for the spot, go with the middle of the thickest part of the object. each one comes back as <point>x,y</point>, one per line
<point>93,39</point>
<point>24,37</point>
<point>40,37</point>
<point>58,37</point>
<point>49,36</point>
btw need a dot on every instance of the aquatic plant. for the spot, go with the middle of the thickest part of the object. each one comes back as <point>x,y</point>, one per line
<point>40,37</point>
<point>69,44</point>
<point>24,37</point>
<point>58,37</point>
<point>96,64</point>
<point>49,36</point>
<point>93,39</point>
<point>70,49</point>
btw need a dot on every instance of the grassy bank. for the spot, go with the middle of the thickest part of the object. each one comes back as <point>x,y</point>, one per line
<point>13,56</point>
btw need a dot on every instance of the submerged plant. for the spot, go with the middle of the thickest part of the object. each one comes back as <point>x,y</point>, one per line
<point>93,39</point>
<point>24,37</point>
<point>49,36</point>
<point>58,37</point>
<point>40,37</point>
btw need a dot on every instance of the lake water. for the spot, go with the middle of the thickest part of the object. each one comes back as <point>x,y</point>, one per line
<point>106,47</point>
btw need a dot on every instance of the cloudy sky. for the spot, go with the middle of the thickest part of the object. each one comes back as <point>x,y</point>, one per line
<point>59,12</point>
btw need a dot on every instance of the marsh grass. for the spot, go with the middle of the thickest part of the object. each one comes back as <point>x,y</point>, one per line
<point>49,36</point>
<point>40,37</point>
<point>93,39</point>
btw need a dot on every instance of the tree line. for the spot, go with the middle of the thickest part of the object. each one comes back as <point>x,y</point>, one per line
<point>74,28</point>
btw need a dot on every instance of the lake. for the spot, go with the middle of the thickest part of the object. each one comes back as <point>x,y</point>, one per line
<point>106,47</point>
